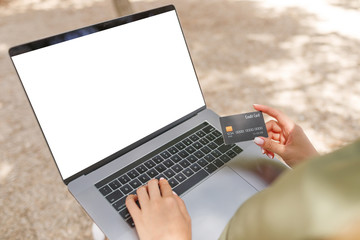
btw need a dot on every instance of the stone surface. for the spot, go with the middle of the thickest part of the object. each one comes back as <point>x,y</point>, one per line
<point>299,57</point>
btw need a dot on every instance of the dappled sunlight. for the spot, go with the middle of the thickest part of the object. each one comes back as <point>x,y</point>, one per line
<point>3,48</point>
<point>16,6</point>
<point>331,17</point>
<point>5,169</point>
<point>299,56</point>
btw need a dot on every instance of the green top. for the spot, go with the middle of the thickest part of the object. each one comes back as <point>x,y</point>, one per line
<point>315,200</point>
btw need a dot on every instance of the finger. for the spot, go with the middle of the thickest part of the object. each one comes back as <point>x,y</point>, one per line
<point>282,139</point>
<point>278,115</point>
<point>269,154</point>
<point>273,126</point>
<point>132,207</point>
<point>274,136</point>
<point>270,145</point>
<point>182,206</point>
<point>165,188</point>
<point>143,195</point>
<point>153,189</point>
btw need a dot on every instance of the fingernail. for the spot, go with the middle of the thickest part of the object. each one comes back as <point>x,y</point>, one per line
<point>174,193</point>
<point>269,155</point>
<point>259,141</point>
<point>263,151</point>
<point>162,178</point>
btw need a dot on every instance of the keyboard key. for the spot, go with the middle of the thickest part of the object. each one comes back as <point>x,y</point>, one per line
<point>169,173</point>
<point>199,154</point>
<point>237,149</point>
<point>184,163</point>
<point>157,159</point>
<point>124,179</point>
<point>173,150</point>
<point>231,153</point>
<point>224,148</point>
<point>133,174</point>
<point>168,163</point>
<point>180,146</point>
<point>161,175</point>
<point>205,150</point>
<point>175,158</point>
<point>177,168</point>
<point>209,158</point>
<point>200,133</point>
<point>115,184</point>
<point>125,213</point>
<point>219,141</point>
<point>212,145</point>
<point>194,138</point>
<point>118,205</point>
<point>197,145</point>
<point>216,133</point>
<point>105,190</point>
<point>183,154</point>
<point>141,169</point>
<point>108,179</point>
<point>149,164</point>
<point>126,189</point>
<point>210,137</point>
<point>208,129</point>
<point>135,183</point>
<point>188,172</point>
<point>173,182</point>
<point>187,142</point>
<point>152,173</point>
<point>195,167</point>
<point>144,178</point>
<point>218,162</point>
<point>204,141</point>
<point>180,177</point>
<point>165,154</point>
<point>192,158</point>
<point>112,197</point>
<point>225,158</point>
<point>202,162</point>
<point>131,223</point>
<point>190,182</point>
<point>216,153</point>
<point>160,168</point>
<point>121,202</point>
<point>190,149</point>
<point>210,168</point>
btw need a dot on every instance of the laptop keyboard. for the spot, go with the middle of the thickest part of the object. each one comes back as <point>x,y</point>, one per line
<point>184,162</point>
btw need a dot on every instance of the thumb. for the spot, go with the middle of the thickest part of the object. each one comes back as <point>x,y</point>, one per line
<point>270,145</point>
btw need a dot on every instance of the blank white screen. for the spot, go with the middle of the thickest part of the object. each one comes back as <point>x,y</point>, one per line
<point>99,93</point>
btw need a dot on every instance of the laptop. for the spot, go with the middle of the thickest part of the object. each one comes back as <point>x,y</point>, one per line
<point>119,103</point>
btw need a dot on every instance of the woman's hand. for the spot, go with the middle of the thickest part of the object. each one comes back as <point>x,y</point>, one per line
<point>162,215</point>
<point>286,138</point>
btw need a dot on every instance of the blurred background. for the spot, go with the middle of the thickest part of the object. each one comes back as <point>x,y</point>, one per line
<point>302,57</point>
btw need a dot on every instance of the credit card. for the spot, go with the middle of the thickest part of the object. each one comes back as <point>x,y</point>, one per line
<point>243,127</point>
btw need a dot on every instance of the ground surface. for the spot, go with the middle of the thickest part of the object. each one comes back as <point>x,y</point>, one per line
<point>302,57</point>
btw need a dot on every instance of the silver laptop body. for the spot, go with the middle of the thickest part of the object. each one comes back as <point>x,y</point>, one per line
<point>110,95</point>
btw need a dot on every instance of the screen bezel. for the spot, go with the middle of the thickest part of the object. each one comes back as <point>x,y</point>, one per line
<point>45,42</point>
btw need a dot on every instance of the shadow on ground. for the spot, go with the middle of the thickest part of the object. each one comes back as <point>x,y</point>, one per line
<point>243,52</point>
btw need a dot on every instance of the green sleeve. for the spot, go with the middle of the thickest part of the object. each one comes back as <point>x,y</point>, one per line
<point>313,201</point>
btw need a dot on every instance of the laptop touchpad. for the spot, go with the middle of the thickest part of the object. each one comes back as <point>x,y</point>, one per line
<point>215,201</point>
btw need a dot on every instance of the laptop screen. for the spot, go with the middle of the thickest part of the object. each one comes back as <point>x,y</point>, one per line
<point>104,90</point>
